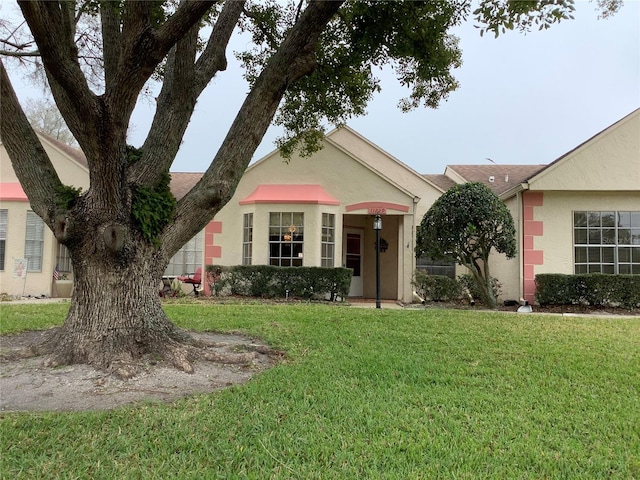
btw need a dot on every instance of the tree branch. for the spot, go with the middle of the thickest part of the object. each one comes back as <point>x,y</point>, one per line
<point>185,17</point>
<point>17,46</point>
<point>143,48</point>
<point>213,57</point>
<point>183,82</point>
<point>8,53</point>
<point>175,106</point>
<point>111,40</point>
<point>59,54</point>
<point>294,59</point>
<point>28,158</point>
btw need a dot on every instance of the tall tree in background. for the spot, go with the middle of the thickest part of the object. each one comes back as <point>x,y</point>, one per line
<point>465,225</point>
<point>311,63</point>
<point>45,118</point>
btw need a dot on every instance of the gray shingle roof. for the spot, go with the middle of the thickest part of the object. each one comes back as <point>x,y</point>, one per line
<point>182,182</point>
<point>442,181</point>
<point>499,178</point>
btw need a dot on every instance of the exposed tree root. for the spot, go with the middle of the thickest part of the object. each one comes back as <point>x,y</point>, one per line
<point>181,349</point>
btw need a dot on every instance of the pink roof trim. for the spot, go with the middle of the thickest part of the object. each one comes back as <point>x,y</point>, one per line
<point>313,194</point>
<point>12,192</point>
<point>386,205</point>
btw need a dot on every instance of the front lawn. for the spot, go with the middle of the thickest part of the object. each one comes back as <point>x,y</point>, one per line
<point>366,394</point>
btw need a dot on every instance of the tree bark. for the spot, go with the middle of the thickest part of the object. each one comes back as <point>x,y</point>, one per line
<point>116,316</point>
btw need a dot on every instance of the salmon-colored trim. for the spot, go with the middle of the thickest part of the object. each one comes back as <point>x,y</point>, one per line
<point>214,227</point>
<point>533,199</point>
<point>530,256</point>
<point>12,192</point>
<point>533,257</point>
<point>211,251</point>
<point>368,205</point>
<point>528,213</point>
<point>278,194</point>
<point>528,242</point>
<point>533,227</point>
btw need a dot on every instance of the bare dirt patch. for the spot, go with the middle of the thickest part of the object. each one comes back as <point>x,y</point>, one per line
<point>26,385</point>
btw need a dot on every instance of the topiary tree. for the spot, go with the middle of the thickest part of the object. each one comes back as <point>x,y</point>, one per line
<point>464,225</point>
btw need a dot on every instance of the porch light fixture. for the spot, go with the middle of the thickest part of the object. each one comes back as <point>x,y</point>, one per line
<point>377,226</point>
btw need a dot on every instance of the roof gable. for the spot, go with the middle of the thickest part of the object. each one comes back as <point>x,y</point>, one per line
<point>608,161</point>
<point>71,152</point>
<point>379,160</point>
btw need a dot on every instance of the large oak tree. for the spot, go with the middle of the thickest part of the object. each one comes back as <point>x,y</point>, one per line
<point>312,63</point>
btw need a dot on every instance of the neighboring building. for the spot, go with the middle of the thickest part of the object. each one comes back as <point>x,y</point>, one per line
<point>580,213</point>
<point>24,236</point>
<point>319,212</point>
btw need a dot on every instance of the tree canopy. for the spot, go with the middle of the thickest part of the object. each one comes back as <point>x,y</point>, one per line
<point>464,225</point>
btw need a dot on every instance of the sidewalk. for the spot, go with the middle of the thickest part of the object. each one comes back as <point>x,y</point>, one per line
<point>34,300</point>
<point>371,303</point>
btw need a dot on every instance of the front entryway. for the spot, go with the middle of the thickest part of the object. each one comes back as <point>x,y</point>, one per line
<point>352,258</point>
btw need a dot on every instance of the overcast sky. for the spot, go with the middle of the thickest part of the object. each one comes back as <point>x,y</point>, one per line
<point>523,99</point>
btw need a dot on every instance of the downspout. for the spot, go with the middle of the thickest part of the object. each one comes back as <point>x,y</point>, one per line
<point>524,187</point>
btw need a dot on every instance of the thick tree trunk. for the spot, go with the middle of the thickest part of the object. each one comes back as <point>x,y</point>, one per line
<point>483,281</point>
<point>116,317</point>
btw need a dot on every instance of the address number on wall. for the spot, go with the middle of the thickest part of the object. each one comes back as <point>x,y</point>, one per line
<point>377,211</point>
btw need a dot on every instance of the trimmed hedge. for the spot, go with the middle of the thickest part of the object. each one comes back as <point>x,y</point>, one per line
<point>594,289</point>
<point>267,281</point>
<point>437,288</point>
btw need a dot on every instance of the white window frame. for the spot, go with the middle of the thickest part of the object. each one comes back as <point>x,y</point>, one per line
<point>33,242</point>
<point>188,259</point>
<point>606,241</point>
<point>247,238</point>
<point>286,239</point>
<point>328,241</point>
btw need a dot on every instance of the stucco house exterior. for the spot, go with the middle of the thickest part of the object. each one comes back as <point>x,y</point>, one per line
<point>29,252</point>
<point>319,211</point>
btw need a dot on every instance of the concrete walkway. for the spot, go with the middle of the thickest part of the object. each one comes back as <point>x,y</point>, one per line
<point>367,303</point>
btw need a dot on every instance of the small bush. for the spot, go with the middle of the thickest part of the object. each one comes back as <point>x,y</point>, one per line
<point>437,288</point>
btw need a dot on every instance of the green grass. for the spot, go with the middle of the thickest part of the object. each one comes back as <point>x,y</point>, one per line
<point>366,394</point>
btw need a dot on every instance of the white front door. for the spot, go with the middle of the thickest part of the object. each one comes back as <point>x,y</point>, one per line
<point>352,243</point>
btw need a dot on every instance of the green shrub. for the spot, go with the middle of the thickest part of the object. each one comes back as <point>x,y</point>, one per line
<point>591,289</point>
<point>553,289</point>
<point>437,288</point>
<point>266,281</point>
<point>468,283</point>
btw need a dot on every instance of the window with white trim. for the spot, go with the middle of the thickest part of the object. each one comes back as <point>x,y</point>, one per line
<point>188,258</point>
<point>286,238</point>
<point>445,268</point>
<point>63,259</point>
<point>4,217</point>
<point>606,242</point>
<point>34,241</point>
<point>247,238</point>
<point>328,240</point>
